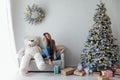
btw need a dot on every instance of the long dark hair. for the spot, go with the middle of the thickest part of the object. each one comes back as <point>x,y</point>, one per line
<point>50,43</point>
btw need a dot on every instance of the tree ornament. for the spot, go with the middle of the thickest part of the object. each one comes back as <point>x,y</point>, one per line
<point>102,5</point>
<point>89,56</point>
<point>105,51</point>
<point>80,67</point>
<point>103,15</point>
<point>100,25</point>
<point>105,18</point>
<point>103,62</point>
<point>87,43</point>
<point>94,26</point>
<point>100,62</point>
<point>96,44</point>
<point>108,31</point>
<point>113,55</point>
<point>95,37</point>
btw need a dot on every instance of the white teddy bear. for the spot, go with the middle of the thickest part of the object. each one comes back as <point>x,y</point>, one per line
<point>31,51</point>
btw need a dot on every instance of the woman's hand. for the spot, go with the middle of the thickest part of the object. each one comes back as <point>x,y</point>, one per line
<point>55,57</point>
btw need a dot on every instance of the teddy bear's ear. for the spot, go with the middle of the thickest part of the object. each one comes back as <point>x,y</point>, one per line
<point>25,37</point>
<point>37,37</point>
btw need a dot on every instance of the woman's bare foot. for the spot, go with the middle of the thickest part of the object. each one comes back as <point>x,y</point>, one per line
<point>50,62</point>
<point>45,59</point>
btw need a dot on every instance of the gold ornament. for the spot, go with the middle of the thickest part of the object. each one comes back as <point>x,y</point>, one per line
<point>98,33</point>
<point>96,44</point>
<point>28,11</point>
<point>102,5</point>
<point>105,51</point>
<point>104,62</point>
<point>113,55</point>
<point>100,62</point>
<point>110,40</point>
<point>96,37</point>
<point>105,18</point>
<point>86,44</point>
<point>103,14</point>
<point>94,26</point>
<point>107,39</point>
<point>39,19</point>
<point>88,56</point>
<point>108,31</point>
<point>100,26</point>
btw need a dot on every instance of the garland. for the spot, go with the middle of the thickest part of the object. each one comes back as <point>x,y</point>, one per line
<point>34,14</point>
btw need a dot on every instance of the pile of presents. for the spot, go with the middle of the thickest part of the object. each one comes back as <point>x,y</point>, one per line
<point>117,71</point>
<point>102,75</point>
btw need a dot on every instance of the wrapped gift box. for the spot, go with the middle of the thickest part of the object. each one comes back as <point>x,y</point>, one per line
<point>88,71</point>
<point>67,71</point>
<point>96,74</point>
<point>56,69</point>
<point>118,70</point>
<point>118,65</point>
<point>78,73</point>
<point>107,73</point>
<point>103,78</point>
<point>116,75</point>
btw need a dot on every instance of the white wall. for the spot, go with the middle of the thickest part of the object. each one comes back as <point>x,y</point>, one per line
<point>68,21</point>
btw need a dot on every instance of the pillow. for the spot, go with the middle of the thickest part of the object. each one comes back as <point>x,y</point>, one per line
<point>60,49</point>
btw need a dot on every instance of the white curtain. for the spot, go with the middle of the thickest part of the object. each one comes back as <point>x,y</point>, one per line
<point>8,67</point>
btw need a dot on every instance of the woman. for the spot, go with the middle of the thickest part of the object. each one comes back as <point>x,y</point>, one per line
<point>49,50</point>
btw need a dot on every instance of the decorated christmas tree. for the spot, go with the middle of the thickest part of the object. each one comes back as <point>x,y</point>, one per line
<point>100,50</point>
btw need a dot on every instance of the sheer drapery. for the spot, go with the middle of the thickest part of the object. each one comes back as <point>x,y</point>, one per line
<point>8,67</point>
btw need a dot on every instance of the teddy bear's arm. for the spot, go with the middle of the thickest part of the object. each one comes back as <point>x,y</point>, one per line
<point>40,50</point>
<point>21,52</point>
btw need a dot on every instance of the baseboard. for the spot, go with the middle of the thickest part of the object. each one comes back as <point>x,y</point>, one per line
<point>73,66</point>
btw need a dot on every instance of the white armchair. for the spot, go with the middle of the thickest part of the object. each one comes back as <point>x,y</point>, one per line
<point>33,67</point>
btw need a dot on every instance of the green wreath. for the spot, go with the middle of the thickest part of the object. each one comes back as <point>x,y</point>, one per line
<point>34,14</point>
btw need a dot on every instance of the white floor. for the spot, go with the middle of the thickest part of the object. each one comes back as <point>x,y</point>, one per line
<point>51,76</point>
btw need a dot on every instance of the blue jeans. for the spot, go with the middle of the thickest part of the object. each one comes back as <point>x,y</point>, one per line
<point>46,54</point>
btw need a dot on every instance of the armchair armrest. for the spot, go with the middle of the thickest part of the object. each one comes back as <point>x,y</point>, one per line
<point>60,49</point>
<point>20,58</point>
<point>63,60</point>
